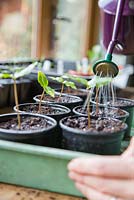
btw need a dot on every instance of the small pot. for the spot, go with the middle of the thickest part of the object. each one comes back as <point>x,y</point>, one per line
<point>91,141</point>
<point>82,93</point>
<point>5,91</point>
<point>76,100</point>
<point>129,107</point>
<point>63,112</point>
<point>45,136</point>
<point>109,112</point>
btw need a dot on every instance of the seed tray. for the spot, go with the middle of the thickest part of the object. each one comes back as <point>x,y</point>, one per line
<point>38,167</point>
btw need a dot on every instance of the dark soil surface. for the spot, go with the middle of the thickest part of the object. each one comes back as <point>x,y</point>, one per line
<point>102,112</point>
<point>27,123</point>
<point>46,110</point>
<point>62,99</point>
<point>99,125</point>
<point>121,102</point>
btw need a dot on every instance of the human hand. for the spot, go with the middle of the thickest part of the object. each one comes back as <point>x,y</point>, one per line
<point>105,177</point>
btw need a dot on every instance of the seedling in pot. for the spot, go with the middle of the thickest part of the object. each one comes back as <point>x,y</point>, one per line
<point>68,84</point>
<point>17,74</point>
<point>98,82</point>
<point>43,81</point>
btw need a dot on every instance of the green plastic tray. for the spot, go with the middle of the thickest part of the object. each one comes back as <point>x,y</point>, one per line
<point>38,167</point>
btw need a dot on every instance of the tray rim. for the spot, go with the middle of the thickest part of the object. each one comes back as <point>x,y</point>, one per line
<point>42,150</point>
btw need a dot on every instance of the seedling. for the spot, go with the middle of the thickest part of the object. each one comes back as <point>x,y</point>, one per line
<point>17,74</point>
<point>68,84</point>
<point>43,81</point>
<point>97,82</point>
<point>80,80</point>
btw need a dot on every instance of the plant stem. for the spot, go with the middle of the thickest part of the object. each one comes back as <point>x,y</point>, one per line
<point>16,102</point>
<point>88,111</point>
<point>69,91</point>
<point>42,95</point>
<point>97,101</point>
<point>62,89</point>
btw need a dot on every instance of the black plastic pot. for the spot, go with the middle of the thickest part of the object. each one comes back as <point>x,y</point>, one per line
<point>90,141</point>
<point>5,91</point>
<point>5,95</point>
<point>42,136</point>
<point>82,93</point>
<point>110,112</point>
<point>77,101</point>
<point>63,112</point>
<point>129,107</point>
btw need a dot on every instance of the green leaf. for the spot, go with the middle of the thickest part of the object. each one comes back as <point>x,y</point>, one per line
<point>99,82</point>
<point>83,81</point>
<point>70,84</point>
<point>50,91</point>
<point>6,75</point>
<point>42,79</point>
<point>25,71</point>
<point>58,79</point>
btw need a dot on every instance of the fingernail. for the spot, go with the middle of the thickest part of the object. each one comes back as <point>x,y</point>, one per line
<point>70,175</point>
<point>71,165</point>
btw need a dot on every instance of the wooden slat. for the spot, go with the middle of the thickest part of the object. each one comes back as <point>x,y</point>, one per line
<point>10,192</point>
<point>91,30</point>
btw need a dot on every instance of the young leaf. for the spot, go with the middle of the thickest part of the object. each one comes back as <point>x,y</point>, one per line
<point>25,71</point>
<point>83,81</point>
<point>99,82</point>
<point>58,79</point>
<point>42,79</point>
<point>5,75</point>
<point>50,91</point>
<point>69,84</point>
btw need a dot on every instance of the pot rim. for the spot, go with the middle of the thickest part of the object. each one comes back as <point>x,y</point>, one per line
<point>52,122</point>
<point>126,114</point>
<point>116,106</point>
<point>61,103</point>
<point>92,133</point>
<point>56,106</point>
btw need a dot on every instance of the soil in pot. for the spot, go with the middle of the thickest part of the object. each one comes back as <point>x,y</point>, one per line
<point>65,100</point>
<point>57,112</point>
<point>103,137</point>
<point>35,129</point>
<point>102,112</point>
<point>125,104</point>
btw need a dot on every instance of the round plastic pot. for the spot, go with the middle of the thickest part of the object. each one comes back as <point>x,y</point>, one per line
<point>78,101</point>
<point>82,93</point>
<point>64,113</point>
<point>44,136</point>
<point>120,117</point>
<point>129,109</point>
<point>64,110</point>
<point>91,142</point>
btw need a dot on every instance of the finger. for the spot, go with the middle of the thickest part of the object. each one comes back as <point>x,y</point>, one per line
<point>92,194</point>
<point>130,150</point>
<point>121,188</point>
<point>113,166</point>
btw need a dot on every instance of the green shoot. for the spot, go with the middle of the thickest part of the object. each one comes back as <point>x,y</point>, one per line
<point>63,82</point>
<point>98,82</point>
<point>43,81</point>
<point>17,74</point>
<point>80,80</point>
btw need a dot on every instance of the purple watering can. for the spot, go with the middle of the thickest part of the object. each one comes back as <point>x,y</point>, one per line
<point>118,29</point>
